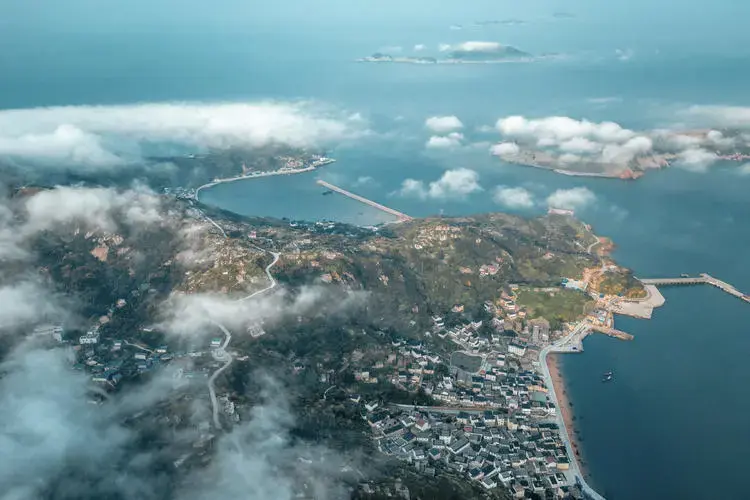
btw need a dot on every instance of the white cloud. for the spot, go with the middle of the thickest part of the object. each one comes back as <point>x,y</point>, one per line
<point>569,158</point>
<point>194,314</point>
<point>412,188</point>
<point>696,159</point>
<point>580,145</point>
<point>26,303</point>
<point>419,47</point>
<point>513,197</point>
<point>93,207</point>
<point>623,153</point>
<point>452,140</point>
<point>556,130</point>
<point>443,124</point>
<point>105,136</point>
<point>505,149</point>
<point>456,183</point>
<point>578,140</point>
<point>574,198</point>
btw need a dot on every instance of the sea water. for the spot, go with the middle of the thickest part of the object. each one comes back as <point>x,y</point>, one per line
<point>672,423</point>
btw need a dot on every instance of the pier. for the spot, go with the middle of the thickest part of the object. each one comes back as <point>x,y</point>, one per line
<point>702,279</point>
<point>401,216</point>
<point>612,332</point>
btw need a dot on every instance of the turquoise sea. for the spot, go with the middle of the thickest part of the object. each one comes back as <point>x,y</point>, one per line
<point>673,422</point>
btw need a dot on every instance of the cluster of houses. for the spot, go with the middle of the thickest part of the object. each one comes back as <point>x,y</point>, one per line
<point>108,361</point>
<point>492,447</point>
<point>492,419</point>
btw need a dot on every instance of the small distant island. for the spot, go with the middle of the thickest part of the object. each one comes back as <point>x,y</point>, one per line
<point>463,53</point>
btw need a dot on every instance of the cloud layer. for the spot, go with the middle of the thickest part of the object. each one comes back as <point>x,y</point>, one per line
<point>261,460</point>
<point>54,439</point>
<point>562,140</point>
<point>93,208</point>
<point>106,136</point>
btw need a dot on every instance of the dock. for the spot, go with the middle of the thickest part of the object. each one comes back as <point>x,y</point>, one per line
<point>702,279</point>
<point>401,216</point>
<point>612,332</point>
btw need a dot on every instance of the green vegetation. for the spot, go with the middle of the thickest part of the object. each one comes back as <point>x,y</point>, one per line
<point>560,306</point>
<point>621,283</point>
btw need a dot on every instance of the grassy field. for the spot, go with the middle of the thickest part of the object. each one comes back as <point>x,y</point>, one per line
<point>557,307</point>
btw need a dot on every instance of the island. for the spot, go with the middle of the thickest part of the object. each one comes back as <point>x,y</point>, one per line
<point>425,348</point>
<point>464,53</point>
<point>631,158</point>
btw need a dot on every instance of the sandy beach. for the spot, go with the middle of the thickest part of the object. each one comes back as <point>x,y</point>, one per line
<point>553,362</point>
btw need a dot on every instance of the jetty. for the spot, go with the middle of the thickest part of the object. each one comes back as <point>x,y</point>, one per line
<point>612,332</point>
<point>401,216</point>
<point>702,279</point>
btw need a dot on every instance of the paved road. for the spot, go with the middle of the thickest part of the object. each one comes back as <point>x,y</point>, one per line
<point>562,346</point>
<point>223,353</point>
<point>591,246</point>
<point>212,378</point>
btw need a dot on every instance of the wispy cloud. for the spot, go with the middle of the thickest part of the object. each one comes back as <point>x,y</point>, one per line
<point>195,314</point>
<point>260,459</point>
<point>54,439</point>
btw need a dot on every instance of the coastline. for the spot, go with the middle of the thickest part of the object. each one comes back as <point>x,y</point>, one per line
<point>564,417</point>
<point>566,411</point>
<point>216,182</point>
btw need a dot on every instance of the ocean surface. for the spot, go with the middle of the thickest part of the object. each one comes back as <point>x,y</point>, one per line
<point>673,422</point>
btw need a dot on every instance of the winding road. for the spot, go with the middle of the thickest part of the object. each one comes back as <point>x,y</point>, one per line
<point>590,248</point>
<point>222,353</point>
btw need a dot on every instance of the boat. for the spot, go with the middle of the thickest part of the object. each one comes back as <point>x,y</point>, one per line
<point>684,275</point>
<point>607,377</point>
<point>326,193</point>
